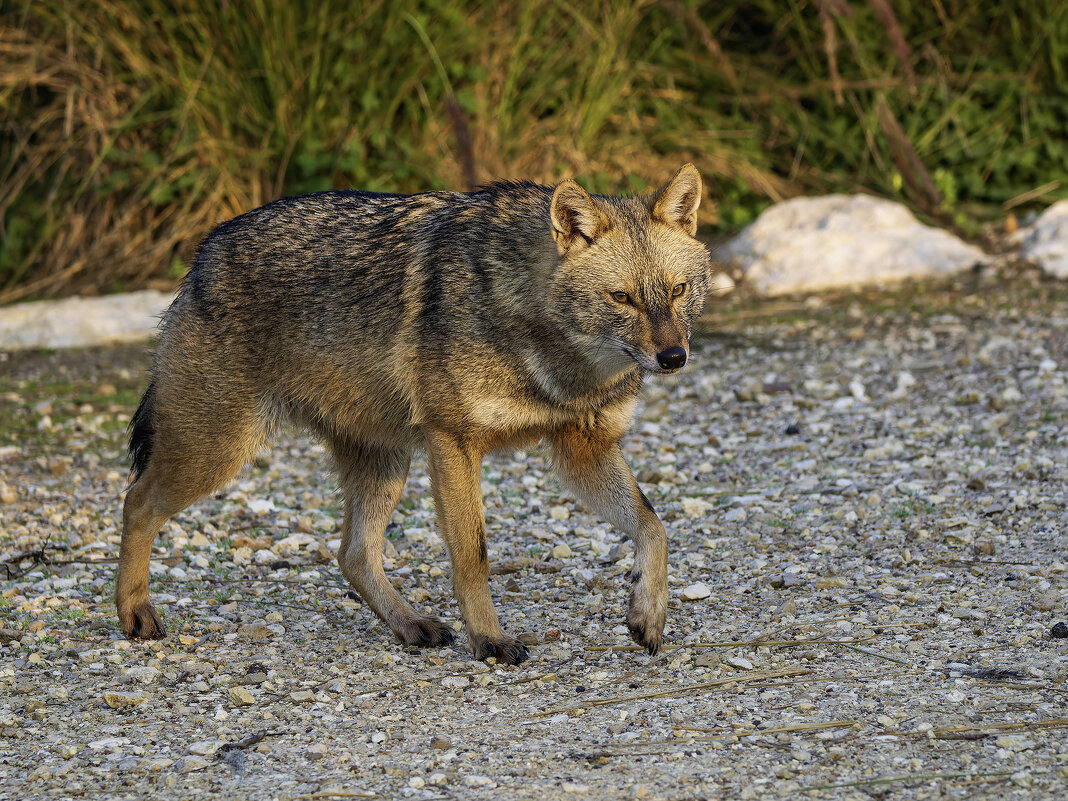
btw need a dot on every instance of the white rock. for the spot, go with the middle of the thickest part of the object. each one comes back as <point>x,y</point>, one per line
<point>142,673</point>
<point>479,781</point>
<point>190,764</point>
<point>740,662</point>
<point>294,542</point>
<point>1045,242</point>
<point>204,747</point>
<point>261,507</point>
<point>737,515</point>
<point>109,744</point>
<point>811,244</point>
<point>696,592</point>
<point>80,322</point>
<point>721,284</point>
<point>695,507</point>
<point>455,682</point>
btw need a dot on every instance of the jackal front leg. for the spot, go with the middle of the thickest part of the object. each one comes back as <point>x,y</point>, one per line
<point>591,464</point>
<point>455,475</point>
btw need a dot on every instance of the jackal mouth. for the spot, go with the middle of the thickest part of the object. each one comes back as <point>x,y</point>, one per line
<point>648,363</point>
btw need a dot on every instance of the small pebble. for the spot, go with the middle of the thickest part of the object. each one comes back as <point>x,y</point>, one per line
<point>696,592</point>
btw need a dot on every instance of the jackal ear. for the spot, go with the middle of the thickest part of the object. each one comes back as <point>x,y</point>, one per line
<point>575,217</point>
<point>677,202</point>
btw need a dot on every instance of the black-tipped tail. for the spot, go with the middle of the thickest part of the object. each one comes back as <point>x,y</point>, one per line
<point>142,433</point>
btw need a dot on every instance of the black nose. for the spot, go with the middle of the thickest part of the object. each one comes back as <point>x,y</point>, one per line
<point>672,358</point>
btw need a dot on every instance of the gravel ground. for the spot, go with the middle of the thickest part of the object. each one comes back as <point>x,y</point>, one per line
<point>866,500</point>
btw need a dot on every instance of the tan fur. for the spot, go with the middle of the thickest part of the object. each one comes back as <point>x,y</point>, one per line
<point>454,324</point>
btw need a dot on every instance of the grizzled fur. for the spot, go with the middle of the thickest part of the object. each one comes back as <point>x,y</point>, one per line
<point>446,323</point>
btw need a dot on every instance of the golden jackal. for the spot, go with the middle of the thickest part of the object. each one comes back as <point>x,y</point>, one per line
<point>451,323</point>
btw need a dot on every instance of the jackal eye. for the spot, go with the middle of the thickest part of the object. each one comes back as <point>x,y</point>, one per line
<point>678,290</point>
<point>621,297</point>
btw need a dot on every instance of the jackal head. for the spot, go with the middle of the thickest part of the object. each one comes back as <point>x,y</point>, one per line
<point>632,276</point>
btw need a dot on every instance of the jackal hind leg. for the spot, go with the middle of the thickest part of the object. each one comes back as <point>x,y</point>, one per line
<point>372,480</point>
<point>455,474</point>
<point>591,464</point>
<point>190,458</point>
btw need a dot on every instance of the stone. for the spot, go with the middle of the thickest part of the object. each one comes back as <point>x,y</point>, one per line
<point>82,322</point>
<point>59,465</point>
<point>1045,242</point>
<point>191,764</point>
<point>204,747</point>
<point>817,243</point>
<point>261,506</point>
<point>117,700</point>
<point>786,608</point>
<point>561,551</point>
<point>109,745</point>
<point>254,631</point>
<point>739,662</point>
<point>695,507</point>
<point>1046,602</point>
<point>241,696</point>
<point>142,673</point>
<point>707,661</point>
<point>696,592</point>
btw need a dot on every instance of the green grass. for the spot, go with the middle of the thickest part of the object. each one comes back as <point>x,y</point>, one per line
<point>915,505</point>
<point>129,129</point>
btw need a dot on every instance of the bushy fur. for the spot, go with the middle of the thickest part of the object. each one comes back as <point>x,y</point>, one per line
<point>445,322</point>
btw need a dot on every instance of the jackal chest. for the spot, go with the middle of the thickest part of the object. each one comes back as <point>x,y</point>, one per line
<point>512,416</point>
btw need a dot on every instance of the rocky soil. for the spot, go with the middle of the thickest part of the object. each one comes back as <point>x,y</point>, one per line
<point>866,498</point>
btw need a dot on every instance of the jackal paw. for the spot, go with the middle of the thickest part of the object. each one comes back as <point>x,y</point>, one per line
<point>142,622</point>
<point>645,619</point>
<point>507,650</point>
<point>425,632</point>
